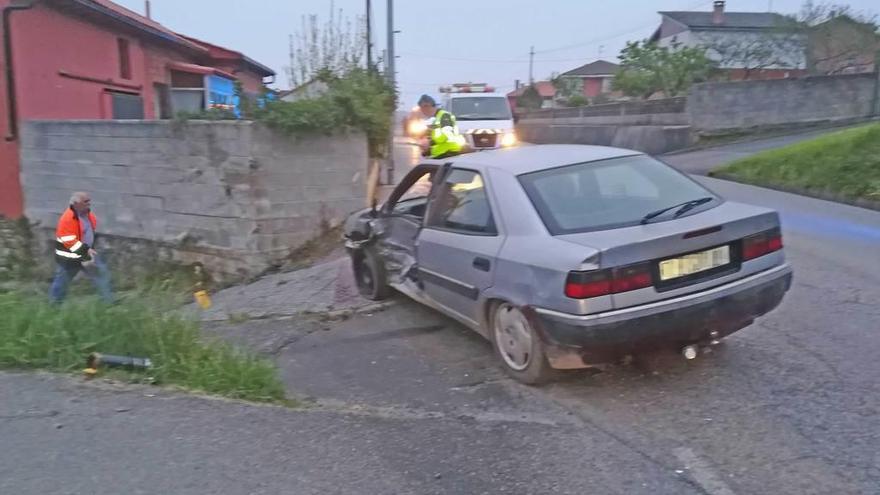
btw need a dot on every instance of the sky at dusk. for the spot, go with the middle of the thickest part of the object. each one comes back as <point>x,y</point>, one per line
<point>450,41</point>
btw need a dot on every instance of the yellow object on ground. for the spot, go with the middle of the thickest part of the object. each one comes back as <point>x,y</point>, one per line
<point>203,299</point>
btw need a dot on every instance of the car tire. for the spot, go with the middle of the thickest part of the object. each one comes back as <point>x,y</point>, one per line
<point>369,274</point>
<point>518,346</point>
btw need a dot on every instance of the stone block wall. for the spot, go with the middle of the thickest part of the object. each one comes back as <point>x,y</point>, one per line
<point>735,106</point>
<point>233,195</point>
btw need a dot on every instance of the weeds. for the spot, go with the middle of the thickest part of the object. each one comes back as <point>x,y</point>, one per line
<point>34,334</point>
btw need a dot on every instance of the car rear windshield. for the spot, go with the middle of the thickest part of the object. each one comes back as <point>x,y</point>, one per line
<point>610,193</point>
<point>481,108</point>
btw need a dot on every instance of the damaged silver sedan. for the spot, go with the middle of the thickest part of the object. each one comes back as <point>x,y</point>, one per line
<point>568,256</point>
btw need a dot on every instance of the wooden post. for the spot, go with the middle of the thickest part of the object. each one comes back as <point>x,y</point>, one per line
<point>373,182</point>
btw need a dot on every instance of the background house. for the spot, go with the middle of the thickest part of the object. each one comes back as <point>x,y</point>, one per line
<point>591,79</point>
<point>746,45</point>
<point>311,89</point>
<point>93,59</point>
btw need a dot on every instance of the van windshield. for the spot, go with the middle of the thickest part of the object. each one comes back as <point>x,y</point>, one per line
<point>481,108</point>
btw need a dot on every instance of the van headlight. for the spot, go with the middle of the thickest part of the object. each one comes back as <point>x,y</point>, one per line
<point>508,139</point>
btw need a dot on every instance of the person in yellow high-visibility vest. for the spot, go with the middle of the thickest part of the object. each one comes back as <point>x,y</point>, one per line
<point>443,138</point>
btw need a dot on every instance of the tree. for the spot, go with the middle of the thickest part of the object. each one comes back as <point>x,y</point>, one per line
<point>355,96</point>
<point>839,39</point>
<point>646,68</point>
<point>333,48</point>
<point>530,98</point>
<point>568,89</point>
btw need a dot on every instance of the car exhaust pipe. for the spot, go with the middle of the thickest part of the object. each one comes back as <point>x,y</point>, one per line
<point>690,352</point>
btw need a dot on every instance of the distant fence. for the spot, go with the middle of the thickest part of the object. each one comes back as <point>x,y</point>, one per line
<point>646,107</point>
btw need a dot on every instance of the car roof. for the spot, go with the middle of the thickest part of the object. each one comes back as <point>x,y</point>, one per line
<point>532,158</point>
<point>474,95</point>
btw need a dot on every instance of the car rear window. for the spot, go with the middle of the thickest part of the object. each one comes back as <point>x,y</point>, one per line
<point>609,194</point>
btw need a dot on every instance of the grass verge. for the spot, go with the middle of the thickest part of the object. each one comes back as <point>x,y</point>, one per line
<point>845,164</point>
<point>36,335</point>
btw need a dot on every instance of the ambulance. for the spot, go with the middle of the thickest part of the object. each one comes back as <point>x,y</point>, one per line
<point>484,117</point>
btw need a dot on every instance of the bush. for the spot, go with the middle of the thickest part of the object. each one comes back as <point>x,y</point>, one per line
<point>577,101</point>
<point>34,334</point>
<point>360,100</point>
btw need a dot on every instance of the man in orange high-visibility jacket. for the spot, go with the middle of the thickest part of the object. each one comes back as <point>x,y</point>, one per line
<point>75,250</point>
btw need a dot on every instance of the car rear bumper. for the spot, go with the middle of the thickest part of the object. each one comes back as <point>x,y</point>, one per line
<point>574,341</point>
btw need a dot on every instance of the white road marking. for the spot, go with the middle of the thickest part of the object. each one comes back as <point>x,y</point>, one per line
<point>702,472</point>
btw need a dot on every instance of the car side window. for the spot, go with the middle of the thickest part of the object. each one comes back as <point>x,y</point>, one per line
<point>462,205</point>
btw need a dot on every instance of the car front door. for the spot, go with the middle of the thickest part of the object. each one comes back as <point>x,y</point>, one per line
<point>402,218</point>
<point>459,243</point>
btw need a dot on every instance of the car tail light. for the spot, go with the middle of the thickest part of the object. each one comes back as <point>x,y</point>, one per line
<point>583,285</point>
<point>631,277</point>
<point>755,246</point>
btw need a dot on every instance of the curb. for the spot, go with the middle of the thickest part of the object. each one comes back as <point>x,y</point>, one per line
<point>827,196</point>
<point>326,315</point>
<point>756,135</point>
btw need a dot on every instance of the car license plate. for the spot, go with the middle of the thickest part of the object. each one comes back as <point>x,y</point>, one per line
<point>694,263</point>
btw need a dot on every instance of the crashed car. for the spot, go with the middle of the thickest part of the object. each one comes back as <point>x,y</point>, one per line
<point>568,256</point>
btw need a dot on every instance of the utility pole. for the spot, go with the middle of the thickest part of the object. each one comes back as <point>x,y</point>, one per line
<point>877,84</point>
<point>392,81</point>
<point>369,36</point>
<point>389,63</point>
<point>290,70</point>
<point>531,65</point>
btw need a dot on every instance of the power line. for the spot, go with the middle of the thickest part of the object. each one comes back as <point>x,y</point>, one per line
<point>549,50</point>
<point>606,38</point>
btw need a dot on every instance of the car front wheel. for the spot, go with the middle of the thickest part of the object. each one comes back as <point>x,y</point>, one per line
<point>519,346</point>
<point>369,274</point>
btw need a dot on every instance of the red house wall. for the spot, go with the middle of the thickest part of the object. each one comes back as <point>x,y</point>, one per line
<point>592,86</point>
<point>46,42</point>
<point>65,68</point>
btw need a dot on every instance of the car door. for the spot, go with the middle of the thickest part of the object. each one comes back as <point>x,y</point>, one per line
<point>459,243</point>
<point>402,218</point>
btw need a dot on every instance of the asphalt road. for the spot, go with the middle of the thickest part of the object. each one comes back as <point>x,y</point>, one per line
<point>405,401</point>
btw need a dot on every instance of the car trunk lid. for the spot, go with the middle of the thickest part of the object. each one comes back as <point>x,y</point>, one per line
<point>717,232</point>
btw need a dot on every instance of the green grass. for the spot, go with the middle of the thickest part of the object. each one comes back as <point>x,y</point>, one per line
<point>845,163</point>
<point>36,335</point>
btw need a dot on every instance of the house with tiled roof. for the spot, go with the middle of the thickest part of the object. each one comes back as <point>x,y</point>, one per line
<point>94,59</point>
<point>592,79</point>
<point>745,45</point>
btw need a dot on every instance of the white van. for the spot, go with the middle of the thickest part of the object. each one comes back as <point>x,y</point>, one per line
<point>483,116</point>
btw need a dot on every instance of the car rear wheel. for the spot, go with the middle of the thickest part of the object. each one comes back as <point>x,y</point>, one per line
<point>369,274</point>
<point>519,346</point>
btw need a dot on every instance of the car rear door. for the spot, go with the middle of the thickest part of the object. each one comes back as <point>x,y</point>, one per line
<point>459,243</point>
